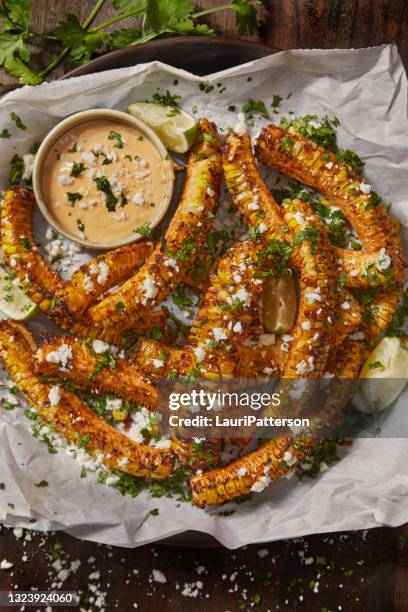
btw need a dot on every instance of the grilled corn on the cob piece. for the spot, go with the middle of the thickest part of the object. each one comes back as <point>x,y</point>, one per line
<point>187,231</point>
<point>75,360</point>
<point>311,164</point>
<point>97,276</point>
<point>20,251</point>
<point>311,257</point>
<point>280,456</point>
<point>72,418</point>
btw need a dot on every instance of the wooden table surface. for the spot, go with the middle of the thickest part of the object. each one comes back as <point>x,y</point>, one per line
<point>353,571</point>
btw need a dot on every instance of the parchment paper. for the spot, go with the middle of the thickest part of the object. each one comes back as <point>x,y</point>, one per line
<point>367,90</point>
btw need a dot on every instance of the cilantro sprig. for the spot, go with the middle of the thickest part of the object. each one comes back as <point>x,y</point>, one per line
<point>83,40</point>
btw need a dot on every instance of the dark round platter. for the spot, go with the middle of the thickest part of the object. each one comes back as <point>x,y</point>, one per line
<point>197,54</point>
<point>200,56</point>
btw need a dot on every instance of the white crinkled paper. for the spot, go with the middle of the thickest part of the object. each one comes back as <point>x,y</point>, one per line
<point>367,90</point>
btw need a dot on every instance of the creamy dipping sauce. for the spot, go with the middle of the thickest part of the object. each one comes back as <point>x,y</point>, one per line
<point>103,179</point>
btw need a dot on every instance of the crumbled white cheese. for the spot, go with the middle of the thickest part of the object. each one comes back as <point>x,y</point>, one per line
<point>345,305</point>
<point>65,179</point>
<point>329,165</point>
<point>262,227</point>
<point>158,576</point>
<point>289,459</point>
<point>306,325</point>
<point>5,565</point>
<point>237,327</point>
<point>149,289</point>
<point>54,395</point>
<point>219,334</point>
<point>365,188</point>
<point>383,260</point>
<point>88,284</point>
<point>99,346</point>
<point>199,353</point>
<point>158,363</point>
<point>253,206</point>
<point>103,273</point>
<point>260,484</point>
<point>62,355</point>
<point>313,295</point>
<point>242,471</point>
<point>28,160</point>
<point>138,198</point>
<point>88,157</point>
<point>113,404</point>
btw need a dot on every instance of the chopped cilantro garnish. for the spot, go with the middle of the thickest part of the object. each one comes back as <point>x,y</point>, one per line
<point>5,134</point>
<point>180,299</point>
<point>119,144</point>
<point>106,360</point>
<point>255,107</point>
<point>77,168</point>
<point>80,225</point>
<point>73,196</point>
<point>102,184</point>
<point>144,230</point>
<point>206,87</point>
<point>25,242</point>
<point>168,99</point>
<point>17,121</point>
<point>41,483</point>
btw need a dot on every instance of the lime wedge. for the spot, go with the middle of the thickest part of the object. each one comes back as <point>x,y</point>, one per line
<point>14,303</point>
<point>176,130</point>
<point>383,376</point>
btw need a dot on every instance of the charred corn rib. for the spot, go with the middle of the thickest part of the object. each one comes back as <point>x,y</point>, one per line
<point>312,257</point>
<point>97,276</point>
<point>74,419</point>
<point>61,300</point>
<point>70,359</point>
<point>176,254</point>
<point>260,468</point>
<point>309,163</point>
<point>229,312</point>
<point>362,269</point>
<point>20,251</point>
<point>280,456</point>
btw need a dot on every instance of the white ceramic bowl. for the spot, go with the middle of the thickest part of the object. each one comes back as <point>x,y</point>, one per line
<point>83,117</point>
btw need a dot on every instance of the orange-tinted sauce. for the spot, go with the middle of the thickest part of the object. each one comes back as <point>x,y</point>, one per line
<point>103,179</point>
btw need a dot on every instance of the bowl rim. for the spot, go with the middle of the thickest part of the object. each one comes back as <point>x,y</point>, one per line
<point>84,117</point>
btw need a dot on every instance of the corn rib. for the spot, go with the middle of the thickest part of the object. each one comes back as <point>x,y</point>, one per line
<point>176,254</point>
<point>87,370</point>
<point>73,418</point>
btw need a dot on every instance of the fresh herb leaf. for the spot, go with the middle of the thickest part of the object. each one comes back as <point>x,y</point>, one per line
<point>73,196</point>
<point>180,299</point>
<point>102,184</point>
<point>255,107</point>
<point>16,170</point>
<point>80,225</point>
<point>77,168</point>
<point>41,483</point>
<point>5,133</point>
<point>17,121</point>
<point>82,43</point>
<point>117,138</point>
<point>123,38</point>
<point>144,230</point>
<point>168,99</point>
